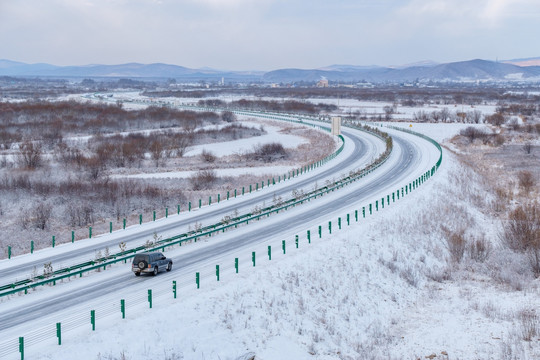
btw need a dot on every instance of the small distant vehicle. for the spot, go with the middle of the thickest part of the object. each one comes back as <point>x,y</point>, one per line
<point>150,263</point>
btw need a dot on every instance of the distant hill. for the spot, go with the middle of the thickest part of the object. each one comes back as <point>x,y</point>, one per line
<point>524,62</point>
<point>424,71</point>
<point>129,70</point>
<point>456,71</point>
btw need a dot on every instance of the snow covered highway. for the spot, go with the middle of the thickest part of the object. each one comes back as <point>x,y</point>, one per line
<point>411,157</point>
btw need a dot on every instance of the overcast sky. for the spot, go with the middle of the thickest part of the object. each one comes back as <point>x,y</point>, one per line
<point>267,34</point>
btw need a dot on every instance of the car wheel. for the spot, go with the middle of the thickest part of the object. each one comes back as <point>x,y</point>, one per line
<point>155,271</point>
<point>169,267</point>
<point>137,274</point>
<point>142,265</point>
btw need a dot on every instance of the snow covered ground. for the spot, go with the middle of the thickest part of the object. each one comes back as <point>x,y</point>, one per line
<point>380,288</point>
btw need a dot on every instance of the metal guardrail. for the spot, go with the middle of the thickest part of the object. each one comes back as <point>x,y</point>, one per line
<point>88,266</point>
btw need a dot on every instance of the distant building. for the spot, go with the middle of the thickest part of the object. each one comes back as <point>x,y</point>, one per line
<point>322,83</point>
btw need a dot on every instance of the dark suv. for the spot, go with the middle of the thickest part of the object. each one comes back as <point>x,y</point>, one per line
<point>150,263</point>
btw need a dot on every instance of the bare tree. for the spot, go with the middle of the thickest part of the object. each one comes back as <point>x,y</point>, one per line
<point>445,115</point>
<point>474,117</point>
<point>527,148</point>
<point>388,112</point>
<point>41,215</point>
<point>496,119</point>
<point>156,150</point>
<point>30,155</point>
<point>228,116</point>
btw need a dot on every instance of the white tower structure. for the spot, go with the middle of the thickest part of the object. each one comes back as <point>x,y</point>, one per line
<point>336,125</point>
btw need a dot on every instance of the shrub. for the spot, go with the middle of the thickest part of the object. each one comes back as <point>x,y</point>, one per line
<point>472,133</point>
<point>456,243</point>
<point>522,234</point>
<point>479,249</point>
<point>526,180</point>
<point>208,156</point>
<point>269,152</point>
<point>203,179</point>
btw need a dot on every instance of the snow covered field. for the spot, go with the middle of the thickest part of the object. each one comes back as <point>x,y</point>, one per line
<point>381,288</point>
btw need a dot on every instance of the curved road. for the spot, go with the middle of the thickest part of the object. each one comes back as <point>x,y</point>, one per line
<point>364,149</point>
<point>405,162</point>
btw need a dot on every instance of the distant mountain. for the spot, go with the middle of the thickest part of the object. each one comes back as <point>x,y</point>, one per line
<point>424,71</point>
<point>424,63</point>
<point>457,71</point>
<point>524,62</point>
<point>348,67</point>
<point>129,70</point>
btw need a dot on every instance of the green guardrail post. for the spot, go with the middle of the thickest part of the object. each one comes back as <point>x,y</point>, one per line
<point>9,252</point>
<point>110,226</point>
<point>217,272</point>
<point>209,200</point>
<point>21,347</point>
<point>189,206</point>
<point>262,184</point>
<point>283,246</point>
<point>376,205</point>
<point>296,241</point>
<point>166,212</point>
<point>54,241</point>
<point>356,215</point>
<point>150,298</point>
<point>243,190</point>
<point>200,203</point>
<point>348,220</point>
<point>330,227</point>
<point>250,188</point>
<point>174,288</point>
<point>388,199</point>
<point>382,202</point>
<point>339,222</point>
<point>177,209</point>
<point>393,197</point>
<point>93,319</point>
<point>256,186</point>
<point>320,231</point>
<point>73,236</point>
<point>235,193</point>
<point>236,264</point>
<point>227,195</point>
<point>59,333</point>
<point>364,211</point>
<point>253,257</point>
<point>123,308</point>
<point>140,219</point>
<point>269,252</point>
<point>31,246</point>
<point>370,209</point>
<point>197,280</point>
<point>309,236</point>
<point>218,198</point>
